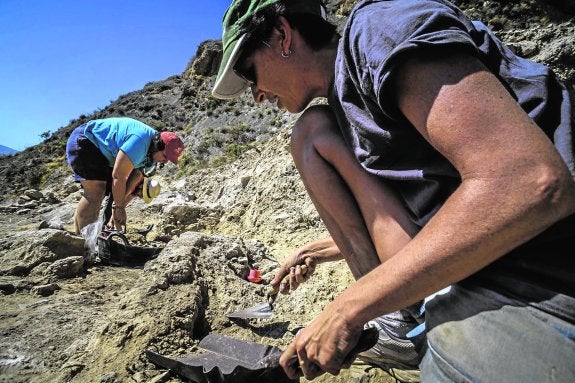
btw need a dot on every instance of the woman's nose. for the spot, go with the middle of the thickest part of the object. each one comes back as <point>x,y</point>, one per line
<point>257,94</point>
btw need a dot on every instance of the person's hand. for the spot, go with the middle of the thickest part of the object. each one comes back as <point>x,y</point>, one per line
<point>292,267</point>
<point>323,346</point>
<point>119,218</point>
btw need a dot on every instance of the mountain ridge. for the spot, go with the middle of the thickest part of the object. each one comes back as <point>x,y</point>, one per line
<point>183,102</point>
<point>5,150</point>
<point>235,202</point>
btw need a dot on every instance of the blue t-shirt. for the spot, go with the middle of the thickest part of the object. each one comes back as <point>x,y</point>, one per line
<point>131,136</point>
<point>378,36</point>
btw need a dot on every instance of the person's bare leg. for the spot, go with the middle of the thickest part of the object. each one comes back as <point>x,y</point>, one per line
<point>366,221</point>
<point>363,216</point>
<point>89,206</point>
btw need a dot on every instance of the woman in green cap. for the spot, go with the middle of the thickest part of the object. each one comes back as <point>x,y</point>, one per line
<point>442,162</point>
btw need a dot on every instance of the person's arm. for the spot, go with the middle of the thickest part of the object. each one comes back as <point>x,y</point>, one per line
<point>514,186</point>
<point>122,168</point>
<point>514,183</point>
<point>132,183</point>
<point>310,254</point>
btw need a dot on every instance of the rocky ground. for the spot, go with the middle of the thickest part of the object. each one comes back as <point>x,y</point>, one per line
<point>64,318</point>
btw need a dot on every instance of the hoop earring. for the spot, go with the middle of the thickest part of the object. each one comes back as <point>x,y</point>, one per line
<point>286,55</point>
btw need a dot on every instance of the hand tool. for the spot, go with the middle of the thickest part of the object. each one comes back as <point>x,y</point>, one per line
<point>237,361</point>
<point>264,310</point>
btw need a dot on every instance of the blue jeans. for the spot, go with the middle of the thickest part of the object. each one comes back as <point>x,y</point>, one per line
<point>477,335</point>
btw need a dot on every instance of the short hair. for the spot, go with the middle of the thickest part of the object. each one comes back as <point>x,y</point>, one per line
<point>315,30</point>
<point>157,144</point>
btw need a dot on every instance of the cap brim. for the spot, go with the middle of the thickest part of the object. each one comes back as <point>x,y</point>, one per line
<point>228,84</point>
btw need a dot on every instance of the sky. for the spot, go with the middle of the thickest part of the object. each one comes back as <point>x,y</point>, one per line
<point>63,58</point>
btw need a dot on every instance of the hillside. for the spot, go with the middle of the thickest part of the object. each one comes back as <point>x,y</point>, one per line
<point>235,202</point>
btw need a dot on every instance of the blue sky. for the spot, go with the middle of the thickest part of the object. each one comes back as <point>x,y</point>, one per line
<point>63,58</point>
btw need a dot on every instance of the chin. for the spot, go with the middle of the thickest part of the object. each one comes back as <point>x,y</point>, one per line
<point>301,106</point>
<point>292,109</point>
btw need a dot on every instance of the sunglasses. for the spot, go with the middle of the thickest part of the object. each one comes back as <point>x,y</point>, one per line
<point>247,72</point>
<point>150,170</point>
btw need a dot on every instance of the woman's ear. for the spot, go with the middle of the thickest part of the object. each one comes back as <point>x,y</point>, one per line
<point>285,32</point>
<point>157,144</point>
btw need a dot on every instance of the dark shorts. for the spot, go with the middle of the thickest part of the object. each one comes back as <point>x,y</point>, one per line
<point>86,160</point>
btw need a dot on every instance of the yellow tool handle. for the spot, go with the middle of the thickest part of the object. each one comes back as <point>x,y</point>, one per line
<point>274,290</point>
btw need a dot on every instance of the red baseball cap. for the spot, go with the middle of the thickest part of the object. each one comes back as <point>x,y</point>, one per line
<point>174,146</point>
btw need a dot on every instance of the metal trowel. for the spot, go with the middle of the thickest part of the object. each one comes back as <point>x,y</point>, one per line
<point>263,310</point>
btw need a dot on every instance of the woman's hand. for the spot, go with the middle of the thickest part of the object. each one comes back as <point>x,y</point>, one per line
<point>119,218</point>
<point>292,266</point>
<point>310,255</point>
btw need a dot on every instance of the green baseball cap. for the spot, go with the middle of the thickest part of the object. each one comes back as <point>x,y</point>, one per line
<point>239,14</point>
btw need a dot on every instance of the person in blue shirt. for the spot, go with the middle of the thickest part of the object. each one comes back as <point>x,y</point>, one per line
<point>110,154</point>
<point>442,162</point>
